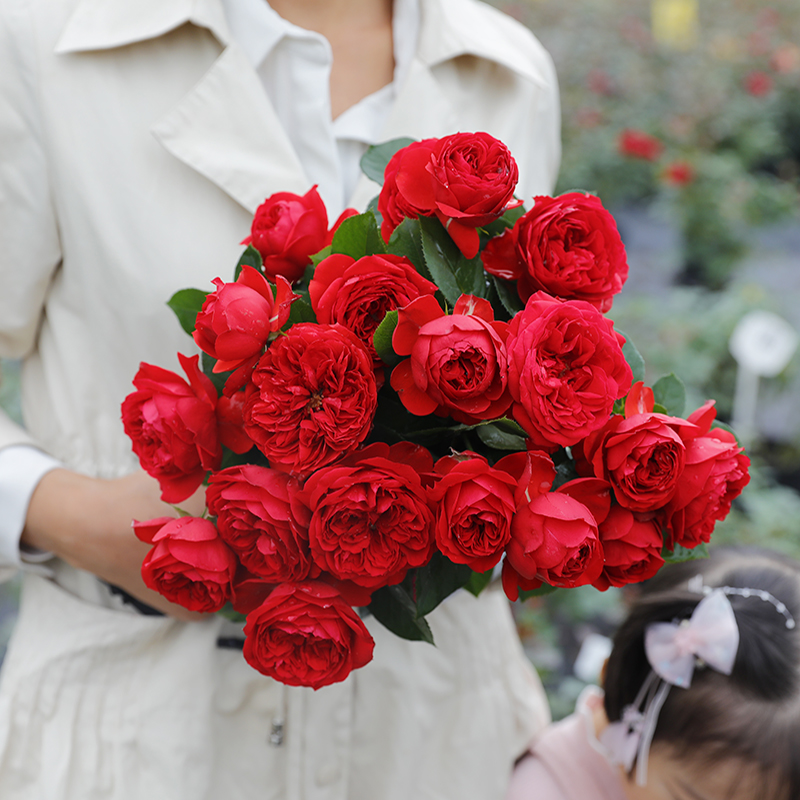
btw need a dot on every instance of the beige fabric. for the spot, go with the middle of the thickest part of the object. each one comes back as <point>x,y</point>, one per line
<point>135,143</point>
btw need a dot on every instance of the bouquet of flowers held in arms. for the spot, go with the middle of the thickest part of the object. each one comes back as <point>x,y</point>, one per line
<point>386,411</point>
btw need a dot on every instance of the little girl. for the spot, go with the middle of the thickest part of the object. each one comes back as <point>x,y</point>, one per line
<point>702,694</point>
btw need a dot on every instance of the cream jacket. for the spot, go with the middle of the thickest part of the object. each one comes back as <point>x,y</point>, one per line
<point>135,143</point>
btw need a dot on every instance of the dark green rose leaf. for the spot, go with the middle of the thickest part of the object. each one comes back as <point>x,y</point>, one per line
<point>186,304</point>
<point>250,258</point>
<point>374,161</point>
<point>478,581</point>
<point>382,339</point>
<point>393,607</point>
<point>545,588</point>
<point>509,297</point>
<point>406,240</point>
<point>681,553</point>
<point>438,579</point>
<point>634,358</point>
<point>358,237</point>
<point>670,392</point>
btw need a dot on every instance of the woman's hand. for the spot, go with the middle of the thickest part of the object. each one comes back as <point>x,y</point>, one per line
<point>87,522</point>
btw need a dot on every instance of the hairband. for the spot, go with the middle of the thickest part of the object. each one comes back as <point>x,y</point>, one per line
<point>696,585</point>
<point>674,649</point>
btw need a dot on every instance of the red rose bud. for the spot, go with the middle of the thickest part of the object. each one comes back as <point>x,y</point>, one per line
<point>475,506</point>
<point>567,246</point>
<point>173,427</point>
<point>306,635</point>
<point>358,294</point>
<point>370,516</point>
<point>261,519</point>
<point>716,472</point>
<point>312,397</point>
<point>189,564</point>
<point>638,144</point>
<point>287,230</point>
<point>237,319</point>
<point>554,538</point>
<point>467,180</point>
<point>631,547</point>
<point>458,361</point>
<point>565,369</point>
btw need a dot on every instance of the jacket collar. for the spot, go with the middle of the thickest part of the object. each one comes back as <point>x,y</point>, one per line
<point>106,24</point>
<point>450,28</point>
<point>226,129</point>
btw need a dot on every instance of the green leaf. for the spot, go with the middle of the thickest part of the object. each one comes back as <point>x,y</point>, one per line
<point>406,240</point>
<point>217,378</point>
<point>451,272</point>
<point>659,409</point>
<point>670,392</point>
<point>300,311</point>
<point>493,436</point>
<point>394,609</point>
<point>358,237</point>
<point>508,220</point>
<point>250,258</point>
<point>478,581</point>
<point>507,292</point>
<point>186,304</point>
<point>544,589</point>
<point>230,613</point>
<point>438,579</point>
<point>374,161</point>
<point>316,258</point>
<point>634,358</point>
<point>681,553</point>
<point>382,339</point>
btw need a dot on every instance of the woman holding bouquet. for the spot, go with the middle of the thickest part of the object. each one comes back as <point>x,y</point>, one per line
<point>137,141</point>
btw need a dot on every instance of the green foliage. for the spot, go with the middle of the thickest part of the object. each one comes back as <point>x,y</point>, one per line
<point>250,258</point>
<point>186,304</point>
<point>394,608</point>
<point>374,161</point>
<point>358,236</point>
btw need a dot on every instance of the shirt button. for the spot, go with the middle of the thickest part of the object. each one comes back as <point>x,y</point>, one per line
<point>328,773</point>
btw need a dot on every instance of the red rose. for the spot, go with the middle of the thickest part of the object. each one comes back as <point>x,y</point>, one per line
<point>370,516</point>
<point>642,457</point>
<point>287,230</point>
<point>554,539</point>
<point>311,398</point>
<point>458,360</point>
<point>567,246</point>
<point>261,519</point>
<point>475,509</point>
<point>638,144</point>
<point>357,294</point>
<point>236,320</point>
<point>306,635</point>
<point>173,427</point>
<point>565,369</point>
<point>631,548</point>
<point>679,173</point>
<point>392,204</point>
<point>189,564</point>
<point>230,420</point>
<point>758,83</point>
<point>466,180</point>
<point>716,472</point>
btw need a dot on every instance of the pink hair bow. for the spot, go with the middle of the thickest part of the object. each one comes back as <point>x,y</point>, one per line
<point>711,634</point>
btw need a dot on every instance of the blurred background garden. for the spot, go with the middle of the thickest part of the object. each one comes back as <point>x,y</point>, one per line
<point>684,117</point>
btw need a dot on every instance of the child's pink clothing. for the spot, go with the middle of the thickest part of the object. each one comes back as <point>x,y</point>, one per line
<point>566,762</point>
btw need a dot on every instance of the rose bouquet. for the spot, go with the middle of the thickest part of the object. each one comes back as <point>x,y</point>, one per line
<point>387,411</point>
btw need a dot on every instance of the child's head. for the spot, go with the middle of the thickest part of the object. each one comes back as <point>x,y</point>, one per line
<point>730,736</point>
